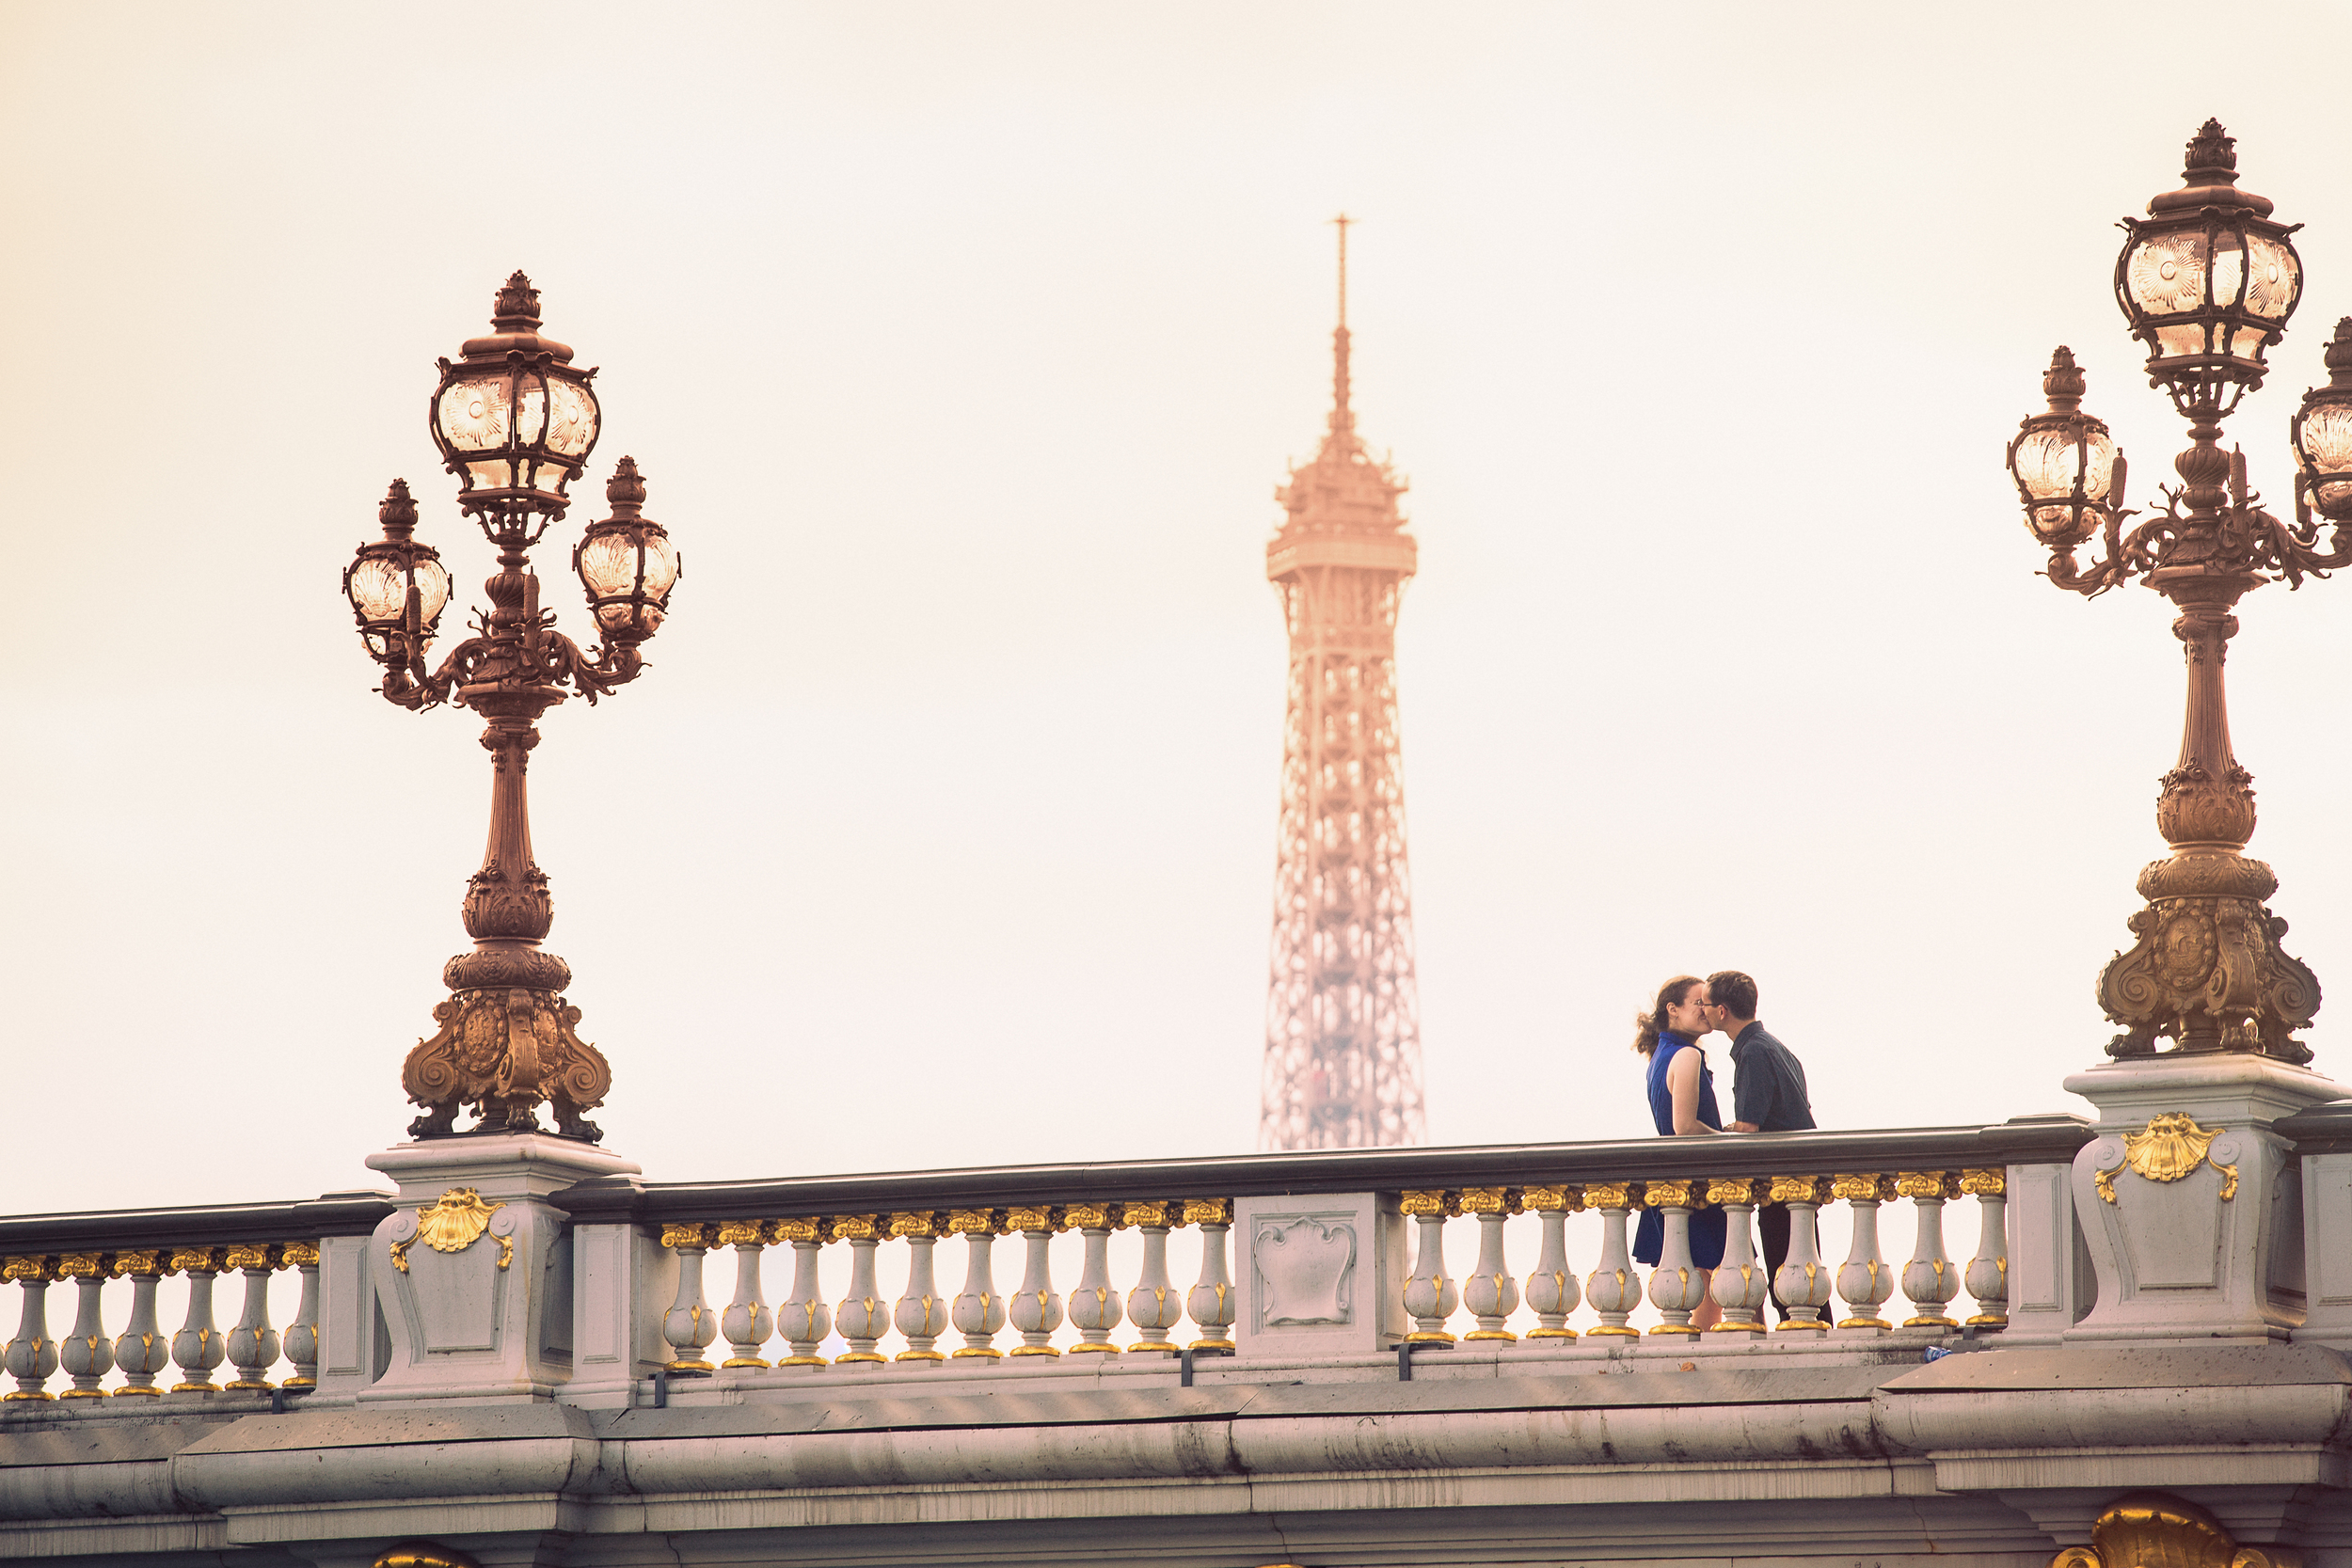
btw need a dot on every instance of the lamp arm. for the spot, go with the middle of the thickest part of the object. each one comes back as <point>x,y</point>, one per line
<point>2295,552</point>
<point>563,661</point>
<point>407,684</point>
<point>2099,576</point>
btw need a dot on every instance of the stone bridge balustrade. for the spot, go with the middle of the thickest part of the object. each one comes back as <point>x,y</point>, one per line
<point>258,1243</point>
<point>1350,1258</point>
<point>1300,1258</point>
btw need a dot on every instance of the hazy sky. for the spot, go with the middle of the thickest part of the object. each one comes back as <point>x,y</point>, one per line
<point>963,346</point>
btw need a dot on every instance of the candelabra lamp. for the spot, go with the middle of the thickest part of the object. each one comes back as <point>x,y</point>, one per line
<point>2207,281</point>
<point>515,421</point>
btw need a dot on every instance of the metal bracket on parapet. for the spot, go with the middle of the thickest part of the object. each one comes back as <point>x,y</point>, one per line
<point>1184,1360</point>
<point>662,1376</point>
<point>1405,1348</point>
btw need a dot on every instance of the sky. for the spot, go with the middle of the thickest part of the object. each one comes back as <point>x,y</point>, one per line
<point>962,347</point>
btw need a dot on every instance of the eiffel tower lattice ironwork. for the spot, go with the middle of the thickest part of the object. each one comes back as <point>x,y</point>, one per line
<point>1343,1054</point>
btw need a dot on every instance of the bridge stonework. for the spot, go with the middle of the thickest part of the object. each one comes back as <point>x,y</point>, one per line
<point>2135,1357</point>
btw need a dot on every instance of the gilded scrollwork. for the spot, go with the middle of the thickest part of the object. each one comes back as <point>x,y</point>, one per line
<point>502,1051</point>
<point>2169,1147</point>
<point>2156,1529</point>
<point>1490,1201</point>
<point>1607,1195</point>
<point>451,1223</point>
<point>1985,1183</point>
<point>976,1222</point>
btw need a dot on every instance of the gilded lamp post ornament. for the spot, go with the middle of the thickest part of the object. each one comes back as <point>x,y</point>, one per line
<point>2207,282</point>
<point>515,421</point>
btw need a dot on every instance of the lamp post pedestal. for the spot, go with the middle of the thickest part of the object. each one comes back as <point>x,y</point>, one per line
<point>2189,1203</point>
<point>474,1269</point>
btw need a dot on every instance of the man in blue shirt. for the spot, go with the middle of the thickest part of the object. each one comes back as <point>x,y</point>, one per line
<point>1768,1095</point>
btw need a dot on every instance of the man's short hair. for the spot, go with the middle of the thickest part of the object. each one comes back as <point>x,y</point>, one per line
<point>1732,990</point>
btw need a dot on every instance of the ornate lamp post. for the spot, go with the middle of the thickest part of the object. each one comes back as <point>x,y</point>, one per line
<point>514,422</point>
<point>2207,281</point>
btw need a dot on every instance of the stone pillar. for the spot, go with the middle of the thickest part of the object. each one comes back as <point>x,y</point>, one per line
<point>2050,1281</point>
<point>2190,1204</point>
<point>1320,1274</point>
<point>2322,1139</point>
<point>350,1320</point>
<point>475,1267</point>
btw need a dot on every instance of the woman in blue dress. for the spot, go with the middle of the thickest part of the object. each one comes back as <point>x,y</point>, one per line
<point>1682,1103</point>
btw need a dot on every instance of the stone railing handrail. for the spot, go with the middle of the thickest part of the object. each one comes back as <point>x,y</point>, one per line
<point>2322,1129</point>
<point>354,1213</point>
<point>2024,1140</point>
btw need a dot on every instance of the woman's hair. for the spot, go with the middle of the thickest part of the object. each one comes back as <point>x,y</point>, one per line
<point>1671,994</point>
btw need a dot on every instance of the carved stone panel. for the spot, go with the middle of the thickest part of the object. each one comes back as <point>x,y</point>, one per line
<point>469,1268</point>
<point>1321,1276</point>
<point>1306,1270</point>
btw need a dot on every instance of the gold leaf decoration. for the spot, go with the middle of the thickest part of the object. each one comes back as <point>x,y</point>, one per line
<point>1992,1183</point>
<point>451,1223</point>
<point>2171,1147</point>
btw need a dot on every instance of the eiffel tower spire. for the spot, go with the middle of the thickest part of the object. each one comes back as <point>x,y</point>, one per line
<point>1342,1056</point>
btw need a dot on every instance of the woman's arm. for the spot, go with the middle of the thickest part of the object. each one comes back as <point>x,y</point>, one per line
<point>1682,1082</point>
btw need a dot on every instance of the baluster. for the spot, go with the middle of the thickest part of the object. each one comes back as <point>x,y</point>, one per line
<point>746,1322</point>
<point>1551,1289</point>
<point>1988,1270</point>
<point>253,1344</point>
<point>198,1346</point>
<point>1740,1283</point>
<point>32,1354</point>
<point>1210,1303</point>
<point>1675,1287</point>
<point>1865,1281</point>
<point>302,1335</point>
<point>921,1316</point>
<point>1490,1292</point>
<point>688,1326</point>
<point>1429,1295</point>
<point>87,1357</point>
<point>1094,1306</point>
<point>1803,1282</point>
<point>980,1312</point>
<point>862,1317</point>
<point>1928,1279</point>
<point>1612,1288</point>
<point>1154,1305</point>
<point>142,1351</point>
<point>804,1320</point>
<point>1037,1311</point>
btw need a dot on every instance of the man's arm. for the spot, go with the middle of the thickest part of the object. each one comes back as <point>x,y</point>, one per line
<point>1751,1094</point>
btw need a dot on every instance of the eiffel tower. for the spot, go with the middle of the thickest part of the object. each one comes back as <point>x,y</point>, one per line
<point>1343,1051</point>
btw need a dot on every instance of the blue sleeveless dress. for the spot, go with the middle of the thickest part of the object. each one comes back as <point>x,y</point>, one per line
<point>1706,1225</point>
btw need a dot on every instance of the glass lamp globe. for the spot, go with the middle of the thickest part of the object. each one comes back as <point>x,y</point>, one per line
<point>397,587</point>
<point>2322,434</point>
<point>513,417</point>
<point>2207,280</point>
<point>628,563</point>
<point>2063,461</point>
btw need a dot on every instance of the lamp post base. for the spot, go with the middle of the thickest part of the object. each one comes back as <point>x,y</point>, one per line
<point>2183,1197</point>
<point>474,1269</point>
